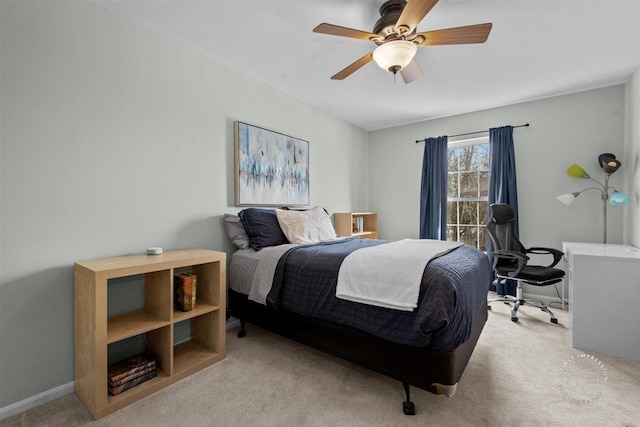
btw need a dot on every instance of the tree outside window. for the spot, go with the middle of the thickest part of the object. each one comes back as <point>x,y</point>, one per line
<point>468,189</point>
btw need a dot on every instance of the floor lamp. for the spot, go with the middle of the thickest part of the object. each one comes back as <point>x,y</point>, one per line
<point>609,165</point>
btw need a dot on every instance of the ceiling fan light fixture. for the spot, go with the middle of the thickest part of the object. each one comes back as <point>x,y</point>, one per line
<point>395,55</point>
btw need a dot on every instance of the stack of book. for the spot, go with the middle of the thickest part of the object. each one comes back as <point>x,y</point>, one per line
<point>357,224</point>
<point>130,372</point>
<point>185,291</point>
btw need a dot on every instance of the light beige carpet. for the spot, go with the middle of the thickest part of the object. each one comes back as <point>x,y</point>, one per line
<point>521,374</point>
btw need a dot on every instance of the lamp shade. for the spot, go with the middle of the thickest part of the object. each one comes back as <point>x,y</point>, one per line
<point>610,165</point>
<point>395,55</point>
<point>568,198</point>
<point>603,156</point>
<point>576,171</point>
<point>618,198</point>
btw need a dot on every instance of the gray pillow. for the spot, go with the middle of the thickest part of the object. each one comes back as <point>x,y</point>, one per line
<point>236,231</point>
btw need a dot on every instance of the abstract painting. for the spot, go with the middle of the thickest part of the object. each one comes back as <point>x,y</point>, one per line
<point>271,168</point>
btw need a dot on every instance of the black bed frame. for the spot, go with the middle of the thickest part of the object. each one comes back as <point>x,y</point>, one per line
<point>434,371</point>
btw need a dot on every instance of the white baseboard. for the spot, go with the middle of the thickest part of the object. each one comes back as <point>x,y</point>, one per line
<point>37,400</point>
<point>57,392</point>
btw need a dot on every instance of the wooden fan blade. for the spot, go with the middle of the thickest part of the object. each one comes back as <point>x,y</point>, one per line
<point>460,35</point>
<point>353,67</point>
<point>413,13</point>
<point>411,72</point>
<point>336,30</point>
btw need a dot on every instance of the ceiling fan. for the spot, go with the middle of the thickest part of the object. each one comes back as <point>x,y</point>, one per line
<point>397,40</point>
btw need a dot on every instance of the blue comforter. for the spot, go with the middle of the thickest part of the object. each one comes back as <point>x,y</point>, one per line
<point>454,288</point>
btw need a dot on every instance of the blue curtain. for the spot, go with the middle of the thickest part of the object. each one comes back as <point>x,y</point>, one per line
<point>433,192</point>
<point>502,185</point>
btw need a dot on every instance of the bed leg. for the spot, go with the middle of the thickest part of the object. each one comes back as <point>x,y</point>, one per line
<point>446,390</point>
<point>408,407</point>
<point>242,332</point>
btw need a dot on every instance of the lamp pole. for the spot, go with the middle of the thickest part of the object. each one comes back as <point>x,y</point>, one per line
<point>604,195</point>
<point>604,213</point>
<point>605,198</point>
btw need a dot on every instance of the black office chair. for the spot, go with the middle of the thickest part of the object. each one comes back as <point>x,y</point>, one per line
<point>510,261</point>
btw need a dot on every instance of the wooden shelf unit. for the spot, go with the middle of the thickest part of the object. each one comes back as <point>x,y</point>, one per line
<point>94,330</point>
<point>343,223</point>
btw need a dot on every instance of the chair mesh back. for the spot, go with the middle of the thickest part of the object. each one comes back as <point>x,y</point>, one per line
<point>501,228</point>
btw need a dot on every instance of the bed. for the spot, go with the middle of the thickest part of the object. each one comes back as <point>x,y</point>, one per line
<point>286,278</point>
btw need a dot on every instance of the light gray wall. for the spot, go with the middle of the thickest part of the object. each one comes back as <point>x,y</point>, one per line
<point>632,159</point>
<point>566,129</point>
<point>115,139</point>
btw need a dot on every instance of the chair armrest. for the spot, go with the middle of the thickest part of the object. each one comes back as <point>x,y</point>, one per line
<point>519,257</point>
<point>557,255</point>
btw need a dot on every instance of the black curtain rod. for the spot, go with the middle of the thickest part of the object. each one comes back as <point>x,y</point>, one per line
<point>473,133</point>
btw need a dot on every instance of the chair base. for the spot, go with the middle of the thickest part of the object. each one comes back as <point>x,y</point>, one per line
<point>518,301</point>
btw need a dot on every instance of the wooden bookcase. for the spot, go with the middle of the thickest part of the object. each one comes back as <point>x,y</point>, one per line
<point>94,330</point>
<point>344,224</point>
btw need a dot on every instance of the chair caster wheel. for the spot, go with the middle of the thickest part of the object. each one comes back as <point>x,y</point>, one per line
<point>514,319</point>
<point>409,408</point>
<point>241,334</point>
<point>554,320</point>
<point>489,307</point>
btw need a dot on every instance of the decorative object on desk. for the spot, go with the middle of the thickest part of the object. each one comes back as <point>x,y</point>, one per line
<point>609,165</point>
<point>271,168</point>
<point>154,251</point>
<point>185,291</point>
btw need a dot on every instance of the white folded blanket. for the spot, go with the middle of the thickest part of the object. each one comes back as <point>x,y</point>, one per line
<point>389,275</point>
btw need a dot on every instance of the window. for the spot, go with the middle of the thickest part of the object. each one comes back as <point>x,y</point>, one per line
<point>468,189</point>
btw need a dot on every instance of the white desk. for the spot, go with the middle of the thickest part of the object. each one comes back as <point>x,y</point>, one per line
<point>604,297</point>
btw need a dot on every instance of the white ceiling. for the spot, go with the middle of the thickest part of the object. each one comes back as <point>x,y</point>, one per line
<point>536,49</point>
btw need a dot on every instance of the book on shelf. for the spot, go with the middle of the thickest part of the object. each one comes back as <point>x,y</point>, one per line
<point>132,376</point>
<point>185,291</point>
<point>134,382</point>
<point>127,367</point>
<point>357,224</point>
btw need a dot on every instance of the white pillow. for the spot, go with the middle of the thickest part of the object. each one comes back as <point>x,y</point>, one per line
<point>308,226</point>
